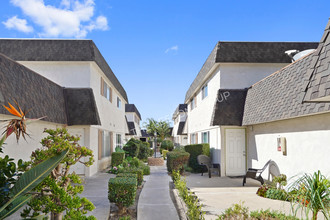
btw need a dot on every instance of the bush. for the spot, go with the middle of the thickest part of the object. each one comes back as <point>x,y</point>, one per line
<point>277,194</point>
<point>164,154</point>
<point>145,169</point>
<point>239,211</point>
<point>137,171</point>
<point>192,203</point>
<point>144,152</point>
<point>262,190</point>
<point>122,191</point>
<point>194,150</point>
<point>132,147</point>
<point>176,160</point>
<point>117,158</point>
<point>128,175</point>
<point>166,145</point>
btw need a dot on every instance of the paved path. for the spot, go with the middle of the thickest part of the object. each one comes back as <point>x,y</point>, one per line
<point>155,201</point>
<point>96,190</point>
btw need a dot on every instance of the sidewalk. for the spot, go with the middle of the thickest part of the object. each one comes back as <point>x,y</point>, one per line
<point>155,201</point>
<point>96,190</point>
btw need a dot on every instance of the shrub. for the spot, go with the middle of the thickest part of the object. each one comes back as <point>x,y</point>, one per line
<point>122,191</point>
<point>312,192</point>
<point>117,158</point>
<point>61,183</point>
<point>164,154</point>
<point>137,171</point>
<point>194,150</point>
<point>267,214</point>
<point>277,194</point>
<point>166,145</point>
<point>145,169</point>
<point>239,211</point>
<point>194,208</point>
<point>176,160</point>
<point>132,147</point>
<point>144,151</point>
<point>262,190</point>
<point>128,175</point>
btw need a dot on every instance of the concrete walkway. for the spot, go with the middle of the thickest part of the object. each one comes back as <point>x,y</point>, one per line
<point>155,201</point>
<point>96,190</point>
<point>219,193</point>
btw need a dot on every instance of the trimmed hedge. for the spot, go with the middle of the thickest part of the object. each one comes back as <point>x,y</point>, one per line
<point>137,171</point>
<point>176,160</point>
<point>144,150</point>
<point>132,147</point>
<point>166,145</point>
<point>128,175</point>
<point>194,150</point>
<point>122,191</point>
<point>117,158</point>
<point>145,169</point>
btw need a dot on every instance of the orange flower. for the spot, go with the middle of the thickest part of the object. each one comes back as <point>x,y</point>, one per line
<point>17,126</point>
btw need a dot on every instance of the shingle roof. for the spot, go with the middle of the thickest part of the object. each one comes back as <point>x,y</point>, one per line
<point>31,91</point>
<point>132,108</point>
<point>180,108</point>
<point>229,107</point>
<point>181,127</point>
<point>246,52</point>
<point>318,84</point>
<point>279,96</point>
<point>59,50</point>
<point>44,97</point>
<point>131,128</point>
<point>81,106</point>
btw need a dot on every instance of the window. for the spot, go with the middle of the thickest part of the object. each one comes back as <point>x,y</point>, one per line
<point>193,103</point>
<point>118,140</point>
<point>204,92</point>
<point>105,145</point>
<point>194,138</point>
<point>106,90</point>
<point>118,102</point>
<point>206,137</point>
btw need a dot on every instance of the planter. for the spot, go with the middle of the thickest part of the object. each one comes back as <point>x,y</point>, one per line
<point>155,161</point>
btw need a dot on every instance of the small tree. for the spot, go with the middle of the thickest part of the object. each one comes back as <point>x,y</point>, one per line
<point>58,192</point>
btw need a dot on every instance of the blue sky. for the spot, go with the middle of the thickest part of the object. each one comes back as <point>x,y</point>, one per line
<point>156,48</point>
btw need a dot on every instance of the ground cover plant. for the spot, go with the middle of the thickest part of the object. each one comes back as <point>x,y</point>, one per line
<point>58,193</point>
<point>194,207</point>
<point>239,211</point>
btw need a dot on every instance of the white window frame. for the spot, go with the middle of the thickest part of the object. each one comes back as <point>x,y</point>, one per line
<point>118,102</point>
<point>207,134</point>
<point>119,141</point>
<point>204,91</point>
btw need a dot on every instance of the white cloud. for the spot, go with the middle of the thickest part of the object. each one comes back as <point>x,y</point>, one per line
<point>73,19</point>
<point>174,48</point>
<point>18,24</point>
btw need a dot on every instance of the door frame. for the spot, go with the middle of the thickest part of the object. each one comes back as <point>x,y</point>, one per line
<point>225,146</point>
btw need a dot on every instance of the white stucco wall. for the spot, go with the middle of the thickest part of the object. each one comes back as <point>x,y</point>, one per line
<point>88,75</point>
<point>243,75</point>
<point>308,145</point>
<point>66,74</point>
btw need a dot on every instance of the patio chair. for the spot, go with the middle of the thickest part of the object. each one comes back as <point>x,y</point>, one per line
<point>255,174</point>
<point>273,170</point>
<point>204,160</point>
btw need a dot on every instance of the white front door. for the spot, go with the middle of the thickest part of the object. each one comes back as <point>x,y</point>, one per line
<point>235,152</point>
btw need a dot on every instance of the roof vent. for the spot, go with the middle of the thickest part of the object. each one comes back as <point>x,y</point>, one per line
<point>302,54</point>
